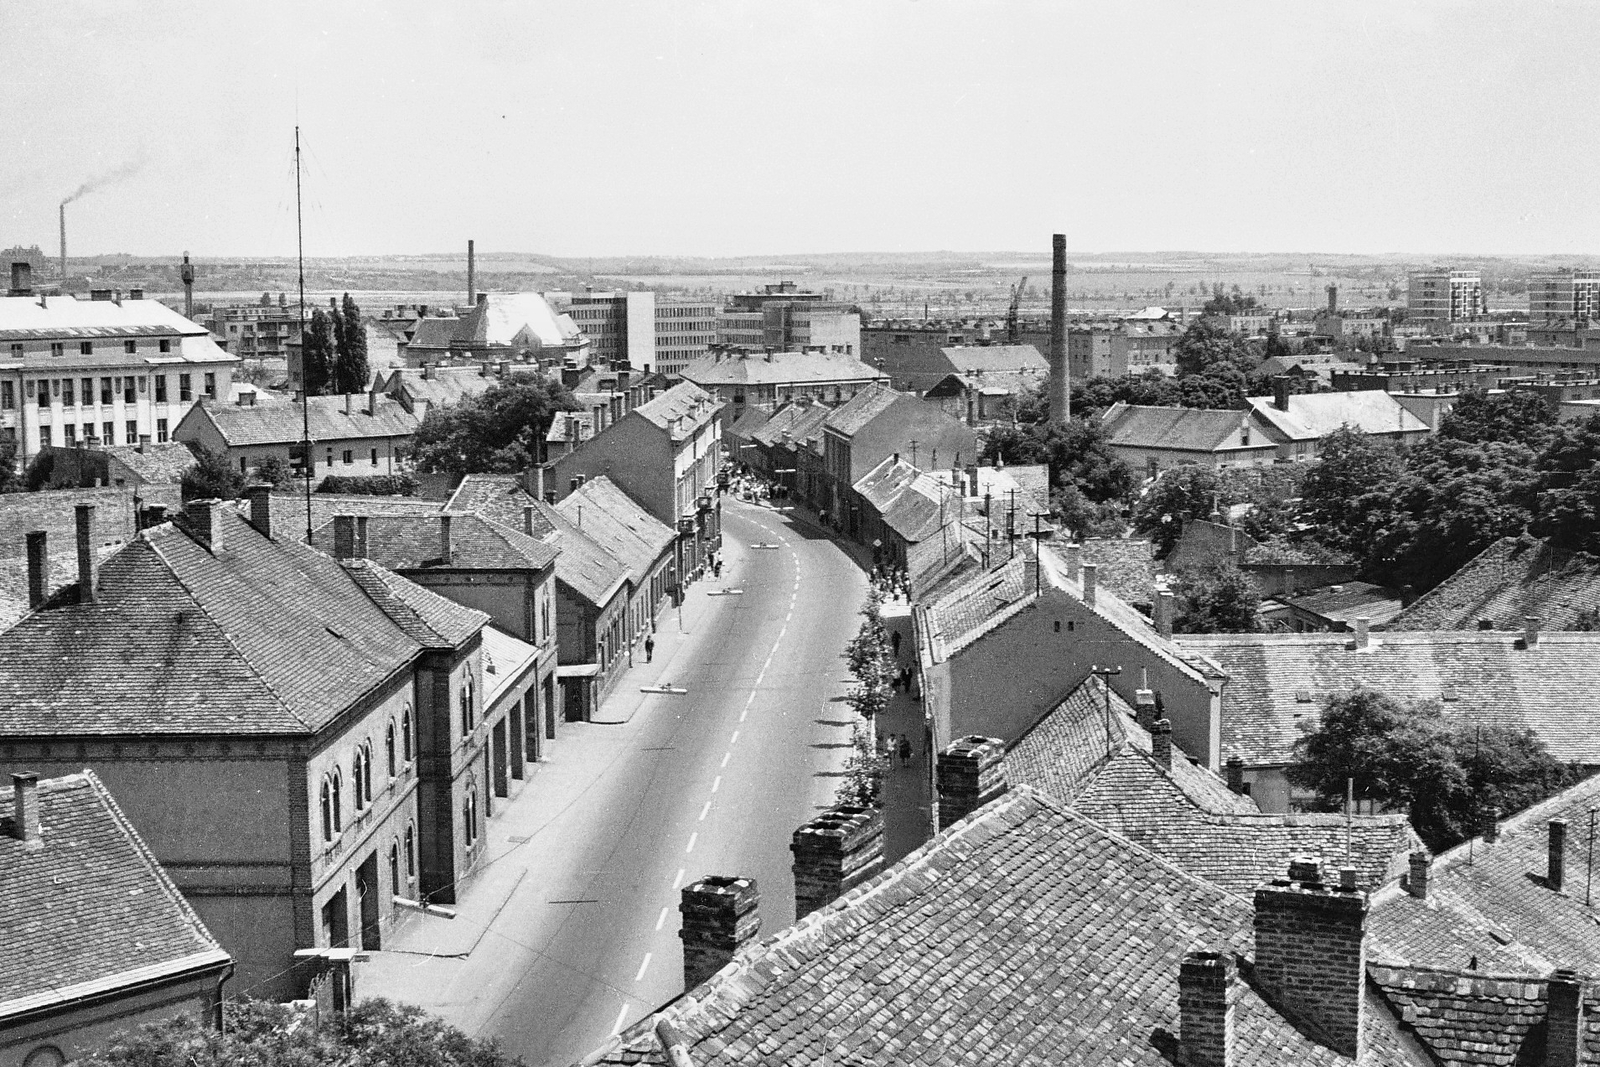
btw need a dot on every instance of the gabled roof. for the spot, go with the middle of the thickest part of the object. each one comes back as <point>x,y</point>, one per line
<point>243,426</point>
<point>504,659</point>
<point>1349,601</point>
<point>268,637</point>
<point>848,418</point>
<point>160,463</point>
<point>1507,582</point>
<point>753,419</point>
<point>88,908</point>
<point>912,503</point>
<point>1312,416</point>
<point>778,368</point>
<point>1179,429</point>
<point>439,386</point>
<point>1124,565</point>
<point>434,332</point>
<point>681,410</point>
<point>1024,934</point>
<point>500,497</point>
<point>967,359</point>
<point>585,565</point>
<point>801,420</point>
<point>289,508</point>
<point>1278,683</point>
<point>429,619</point>
<point>563,422</point>
<point>516,320</point>
<point>610,518</point>
<point>415,543</point>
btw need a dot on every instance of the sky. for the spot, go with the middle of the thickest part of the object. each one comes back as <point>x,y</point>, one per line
<point>752,127</point>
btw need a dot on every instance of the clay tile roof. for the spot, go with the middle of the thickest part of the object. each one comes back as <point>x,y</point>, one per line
<point>1184,429</point>
<point>276,424</point>
<point>1349,601</point>
<point>1024,934</point>
<point>611,519</point>
<point>782,368</point>
<point>969,358</point>
<point>1278,683</point>
<point>584,565</point>
<point>499,497</point>
<point>429,619</point>
<point>680,410</point>
<point>802,421</point>
<point>413,543</point>
<point>849,418</point>
<point>1127,567</point>
<point>159,462</point>
<point>1506,582</point>
<point>754,418</point>
<point>88,909</point>
<point>1315,415</point>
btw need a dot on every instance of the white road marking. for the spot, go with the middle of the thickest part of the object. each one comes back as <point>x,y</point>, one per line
<point>621,1015</point>
<point>676,882</point>
<point>726,756</point>
<point>745,712</point>
<point>692,839</point>
<point>735,739</point>
<point>703,813</point>
<point>662,921</point>
<point>642,966</point>
<point>716,785</point>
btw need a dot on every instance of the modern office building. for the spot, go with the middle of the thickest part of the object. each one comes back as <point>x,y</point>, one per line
<point>1442,296</point>
<point>1564,294</point>
<point>785,317</point>
<point>621,326</point>
<point>685,332</point>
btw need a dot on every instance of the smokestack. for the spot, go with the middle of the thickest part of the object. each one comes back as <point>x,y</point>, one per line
<point>1333,299</point>
<point>63,246</point>
<point>1059,390</point>
<point>186,272</point>
<point>472,274</point>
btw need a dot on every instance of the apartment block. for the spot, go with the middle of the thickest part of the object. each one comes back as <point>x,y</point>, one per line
<point>256,331</point>
<point>1442,296</point>
<point>1564,294</point>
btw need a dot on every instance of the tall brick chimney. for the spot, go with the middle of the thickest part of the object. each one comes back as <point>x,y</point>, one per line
<point>719,917</point>
<point>1161,742</point>
<point>25,809</point>
<point>1311,955</point>
<point>1208,989</point>
<point>87,559</point>
<point>1564,1022</point>
<point>260,497</point>
<point>1489,826</point>
<point>446,549</point>
<point>344,537</point>
<point>1556,855</point>
<point>38,569</point>
<point>834,853</point>
<point>1144,706</point>
<point>1073,554</point>
<point>1163,611</point>
<point>971,772</point>
<point>1060,389</point>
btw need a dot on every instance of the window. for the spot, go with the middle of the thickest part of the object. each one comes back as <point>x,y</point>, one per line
<point>16,351</point>
<point>69,434</point>
<point>131,428</point>
<point>86,348</point>
<point>337,783</point>
<point>130,347</point>
<point>88,390</point>
<point>161,430</point>
<point>166,345</point>
<point>411,852</point>
<point>127,390</point>
<point>394,866</point>
<point>405,734</point>
<point>88,430</point>
<point>388,747</point>
<point>211,385</point>
<point>8,395</point>
<point>327,810</point>
<point>108,433</point>
<point>244,464</point>
<point>161,389</point>
<point>466,707</point>
<point>356,777</point>
<point>67,398</point>
<point>185,387</point>
<point>374,457</point>
<point>57,348</point>
<point>105,391</point>
<point>349,456</point>
<point>366,770</point>
<point>330,458</point>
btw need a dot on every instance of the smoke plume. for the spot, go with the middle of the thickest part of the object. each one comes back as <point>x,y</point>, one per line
<point>110,177</point>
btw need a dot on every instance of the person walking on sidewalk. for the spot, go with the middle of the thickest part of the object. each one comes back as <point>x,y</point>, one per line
<point>905,750</point>
<point>894,640</point>
<point>649,648</point>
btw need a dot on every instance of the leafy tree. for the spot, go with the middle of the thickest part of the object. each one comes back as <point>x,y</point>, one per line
<point>1205,344</point>
<point>212,477</point>
<point>1511,417</point>
<point>351,372</point>
<point>274,471</point>
<point>11,480</point>
<point>38,473</point>
<point>1079,454</point>
<point>317,354</point>
<point>1220,599</point>
<point>1348,493</point>
<point>1234,303</point>
<point>1084,517</point>
<point>375,1033</point>
<point>496,431</point>
<point>1152,389</point>
<point>1159,513</point>
<point>1567,487</point>
<point>1014,445</point>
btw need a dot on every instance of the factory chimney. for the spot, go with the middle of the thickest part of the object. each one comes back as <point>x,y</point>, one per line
<point>1059,389</point>
<point>186,272</point>
<point>472,276</point>
<point>63,246</point>
<point>1333,299</point>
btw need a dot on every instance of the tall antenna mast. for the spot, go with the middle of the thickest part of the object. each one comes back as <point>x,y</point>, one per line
<point>305,392</point>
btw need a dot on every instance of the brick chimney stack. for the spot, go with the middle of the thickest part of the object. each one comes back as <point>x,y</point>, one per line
<point>1556,856</point>
<point>1530,631</point>
<point>205,522</point>
<point>834,853</point>
<point>1163,610</point>
<point>1311,953</point>
<point>1208,989</point>
<point>1564,1021</point>
<point>260,497</point>
<point>1090,580</point>
<point>1161,742</point>
<point>38,569</point>
<point>1417,876</point>
<point>87,561</point>
<point>971,772</point>
<point>1235,768</point>
<point>719,917</point>
<point>1144,706</point>
<point>446,555</point>
<point>25,809</point>
<point>1073,554</point>
<point>344,537</point>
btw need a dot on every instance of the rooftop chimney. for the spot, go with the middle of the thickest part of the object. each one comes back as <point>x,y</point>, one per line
<point>1311,954</point>
<point>1089,576</point>
<point>205,522</point>
<point>87,561</point>
<point>1208,989</point>
<point>1059,388</point>
<point>427,372</point>
<point>1144,706</point>
<point>1556,857</point>
<point>135,294</point>
<point>1417,876</point>
<point>1161,742</point>
<point>1074,557</point>
<point>21,279</point>
<point>527,519</point>
<point>1530,630</point>
<point>834,853</point>
<point>1333,299</point>
<point>38,569</point>
<point>1363,625</point>
<point>260,497</point>
<point>971,772</point>
<point>1235,769</point>
<point>344,537</point>
<point>144,444</point>
<point>1564,1023</point>
<point>1163,609</point>
<point>1280,392</point>
<point>347,404</point>
<point>1490,826</point>
<point>25,809</point>
<point>445,554</point>
<point>719,917</point>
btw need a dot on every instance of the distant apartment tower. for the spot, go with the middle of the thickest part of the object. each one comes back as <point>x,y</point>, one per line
<point>685,332</point>
<point>786,317</point>
<point>1444,296</point>
<point>1564,294</point>
<point>256,331</point>
<point>621,326</point>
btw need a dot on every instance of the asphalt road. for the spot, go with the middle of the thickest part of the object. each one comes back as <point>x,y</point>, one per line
<point>571,932</point>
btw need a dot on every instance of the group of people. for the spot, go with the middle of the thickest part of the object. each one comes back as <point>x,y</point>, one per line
<point>892,582</point>
<point>892,745</point>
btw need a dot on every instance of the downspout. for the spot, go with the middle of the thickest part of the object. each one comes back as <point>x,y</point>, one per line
<point>218,1014</point>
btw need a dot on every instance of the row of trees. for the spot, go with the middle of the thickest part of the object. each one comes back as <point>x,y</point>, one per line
<point>333,352</point>
<point>870,657</point>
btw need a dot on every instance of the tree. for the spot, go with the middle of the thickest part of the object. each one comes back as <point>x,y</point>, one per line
<point>1204,344</point>
<point>1220,599</point>
<point>212,477</point>
<point>1567,487</point>
<point>274,471</point>
<point>375,1033</point>
<point>317,355</point>
<point>1348,494</point>
<point>1479,416</point>
<point>1079,454</point>
<point>496,431</point>
<point>1222,303</point>
<point>351,372</point>
<point>11,480</point>
<point>1159,513</point>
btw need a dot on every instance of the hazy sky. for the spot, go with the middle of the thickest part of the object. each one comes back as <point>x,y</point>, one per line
<point>702,127</point>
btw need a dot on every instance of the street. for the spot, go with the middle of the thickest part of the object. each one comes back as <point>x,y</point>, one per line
<point>569,929</point>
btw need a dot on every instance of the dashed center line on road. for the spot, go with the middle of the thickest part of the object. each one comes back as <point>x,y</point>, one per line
<point>726,756</point>
<point>735,739</point>
<point>705,811</point>
<point>662,921</point>
<point>676,882</point>
<point>692,839</point>
<point>642,968</point>
<point>716,785</point>
<point>621,1015</point>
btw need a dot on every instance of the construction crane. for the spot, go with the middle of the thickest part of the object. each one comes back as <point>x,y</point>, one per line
<point>1011,313</point>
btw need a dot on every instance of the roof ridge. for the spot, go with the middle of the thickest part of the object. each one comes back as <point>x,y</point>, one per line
<point>255,672</point>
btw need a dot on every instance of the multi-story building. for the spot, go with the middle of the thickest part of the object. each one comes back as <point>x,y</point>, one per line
<point>685,332</point>
<point>784,316</point>
<point>256,331</point>
<point>740,377</point>
<point>515,327</point>
<point>110,368</point>
<point>1112,349</point>
<point>1564,294</point>
<point>360,434</point>
<point>621,326</point>
<point>1442,296</point>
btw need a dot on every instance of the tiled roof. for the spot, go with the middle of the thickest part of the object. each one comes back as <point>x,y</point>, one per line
<point>289,508</point>
<point>414,543</point>
<point>1278,683</point>
<point>780,368</point>
<point>277,424</point>
<point>1348,602</point>
<point>1179,429</point>
<point>911,503</point>
<point>159,462</point>
<point>584,565</point>
<point>1506,582</point>
<point>561,426</point>
<point>967,611</point>
<point>88,908</point>
<point>754,418</point>
<point>1025,934</point>
<point>429,619</point>
<point>504,657</point>
<point>848,418</point>
<point>434,332</point>
<point>500,497</point>
<point>611,519</point>
<point>441,385</point>
<point>802,421</point>
<point>267,637</point>
<point>1313,416</point>
<point>681,410</point>
<point>524,320</point>
<point>1125,566</point>
<point>971,358</point>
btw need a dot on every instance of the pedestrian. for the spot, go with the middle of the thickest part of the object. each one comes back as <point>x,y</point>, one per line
<point>894,640</point>
<point>905,679</point>
<point>649,648</point>
<point>716,566</point>
<point>905,750</point>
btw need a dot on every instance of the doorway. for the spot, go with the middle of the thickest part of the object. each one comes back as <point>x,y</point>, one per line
<point>367,890</point>
<point>336,921</point>
<point>502,788</point>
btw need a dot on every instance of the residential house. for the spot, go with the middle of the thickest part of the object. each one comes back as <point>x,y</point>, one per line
<point>740,378</point>
<point>1296,423</point>
<point>144,464</point>
<point>1278,569</point>
<point>109,368</point>
<point>256,330</point>
<point>1510,581</point>
<point>778,446</point>
<point>902,506</point>
<point>1152,439</point>
<point>298,739</point>
<point>877,424</point>
<point>665,454</point>
<point>517,327</point>
<point>98,939</point>
<point>350,435</point>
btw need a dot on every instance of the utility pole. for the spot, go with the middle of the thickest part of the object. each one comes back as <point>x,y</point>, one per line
<point>305,392</point>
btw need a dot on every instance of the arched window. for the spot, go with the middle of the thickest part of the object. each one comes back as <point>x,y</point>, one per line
<point>411,852</point>
<point>327,810</point>
<point>337,790</point>
<point>388,747</point>
<point>394,866</point>
<point>466,707</point>
<point>366,770</point>
<point>355,778</point>
<point>405,734</point>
